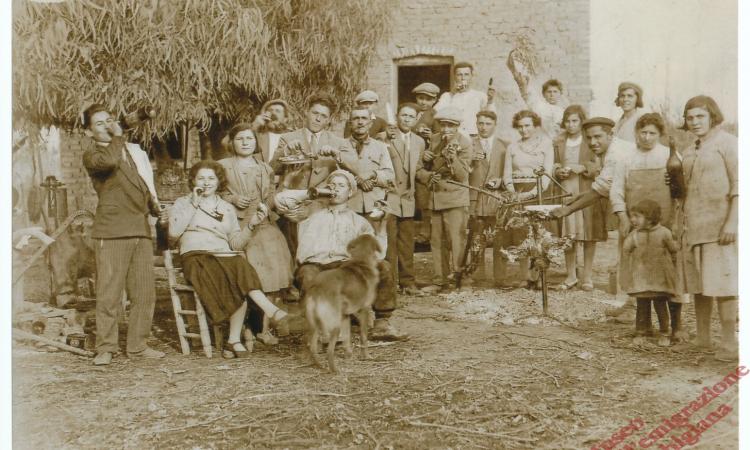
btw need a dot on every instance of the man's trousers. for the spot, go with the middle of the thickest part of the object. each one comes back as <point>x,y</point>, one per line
<point>124,264</point>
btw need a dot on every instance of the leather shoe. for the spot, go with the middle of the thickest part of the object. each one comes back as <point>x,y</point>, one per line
<point>384,331</point>
<point>103,359</point>
<point>148,352</point>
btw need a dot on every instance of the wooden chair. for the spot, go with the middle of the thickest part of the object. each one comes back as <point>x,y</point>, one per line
<point>183,297</point>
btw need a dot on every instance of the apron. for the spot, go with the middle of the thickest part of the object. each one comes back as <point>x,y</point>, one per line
<point>649,184</point>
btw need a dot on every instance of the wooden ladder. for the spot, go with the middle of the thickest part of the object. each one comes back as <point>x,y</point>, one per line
<point>176,291</point>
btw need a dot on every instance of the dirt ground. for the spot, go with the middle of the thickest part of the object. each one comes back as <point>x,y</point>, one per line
<point>482,369</point>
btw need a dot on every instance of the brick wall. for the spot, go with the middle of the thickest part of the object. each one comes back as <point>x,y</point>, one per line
<point>81,194</point>
<point>481,32</point>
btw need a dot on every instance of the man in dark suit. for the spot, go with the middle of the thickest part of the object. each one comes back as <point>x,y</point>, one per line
<point>123,249</point>
<point>269,125</point>
<point>448,159</point>
<point>405,150</point>
<point>488,162</point>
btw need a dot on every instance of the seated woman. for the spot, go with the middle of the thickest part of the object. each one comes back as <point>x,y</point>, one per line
<point>209,237</point>
<point>531,152</point>
<point>250,188</point>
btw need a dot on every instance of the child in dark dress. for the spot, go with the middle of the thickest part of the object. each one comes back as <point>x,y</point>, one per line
<point>649,252</point>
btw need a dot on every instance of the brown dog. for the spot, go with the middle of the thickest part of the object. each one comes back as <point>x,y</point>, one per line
<point>337,293</point>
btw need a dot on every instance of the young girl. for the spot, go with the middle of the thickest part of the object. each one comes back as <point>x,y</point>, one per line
<point>589,225</point>
<point>250,189</point>
<point>649,271</point>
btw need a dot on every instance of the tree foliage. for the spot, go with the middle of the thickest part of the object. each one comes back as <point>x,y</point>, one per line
<point>196,61</point>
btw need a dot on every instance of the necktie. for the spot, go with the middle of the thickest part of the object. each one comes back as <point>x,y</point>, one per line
<point>406,142</point>
<point>314,143</point>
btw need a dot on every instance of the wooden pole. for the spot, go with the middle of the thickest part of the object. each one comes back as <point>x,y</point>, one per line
<point>20,334</point>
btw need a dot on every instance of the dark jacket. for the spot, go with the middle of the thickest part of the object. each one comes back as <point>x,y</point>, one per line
<point>124,199</point>
<point>444,195</point>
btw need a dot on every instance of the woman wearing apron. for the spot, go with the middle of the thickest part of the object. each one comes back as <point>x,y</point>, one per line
<point>588,226</point>
<point>640,176</point>
<point>708,219</point>
<point>532,151</point>
<point>250,188</point>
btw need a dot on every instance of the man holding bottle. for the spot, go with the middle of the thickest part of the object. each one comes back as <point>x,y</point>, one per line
<point>123,180</point>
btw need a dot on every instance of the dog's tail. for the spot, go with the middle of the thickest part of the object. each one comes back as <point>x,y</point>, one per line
<point>322,315</point>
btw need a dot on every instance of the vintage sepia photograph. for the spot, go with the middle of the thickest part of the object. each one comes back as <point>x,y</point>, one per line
<point>374,224</point>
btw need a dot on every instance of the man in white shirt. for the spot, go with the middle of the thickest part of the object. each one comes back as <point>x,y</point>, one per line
<point>599,132</point>
<point>467,100</point>
<point>323,237</point>
<point>269,125</point>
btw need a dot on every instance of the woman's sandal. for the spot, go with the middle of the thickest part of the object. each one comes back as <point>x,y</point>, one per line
<point>567,285</point>
<point>587,286</point>
<point>231,347</point>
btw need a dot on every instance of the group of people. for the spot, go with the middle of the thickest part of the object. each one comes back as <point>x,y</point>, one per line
<point>258,226</point>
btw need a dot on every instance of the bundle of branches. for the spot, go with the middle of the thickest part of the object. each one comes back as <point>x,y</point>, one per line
<point>196,61</point>
<point>540,246</point>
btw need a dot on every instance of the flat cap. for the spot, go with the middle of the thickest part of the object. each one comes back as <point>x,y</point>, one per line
<point>275,101</point>
<point>426,89</point>
<point>366,96</point>
<point>602,121</point>
<point>449,114</point>
<point>349,179</point>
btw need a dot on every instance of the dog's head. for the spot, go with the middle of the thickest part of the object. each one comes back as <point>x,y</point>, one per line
<point>364,248</point>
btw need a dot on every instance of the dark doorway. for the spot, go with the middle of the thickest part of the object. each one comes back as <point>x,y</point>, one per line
<point>410,76</point>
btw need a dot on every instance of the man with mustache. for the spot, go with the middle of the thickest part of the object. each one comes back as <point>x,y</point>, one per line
<point>374,166</point>
<point>269,125</point>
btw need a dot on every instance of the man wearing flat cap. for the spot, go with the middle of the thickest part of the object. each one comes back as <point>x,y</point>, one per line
<point>368,99</point>
<point>610,151</point>
<point>324,236</point>
<point>425,96</point>
<point>449,158</point>
<point>630,100</point>
<point>599,133</point>
<point>269,125</point>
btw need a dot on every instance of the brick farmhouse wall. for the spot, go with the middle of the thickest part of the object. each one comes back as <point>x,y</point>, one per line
<point>482,32</point>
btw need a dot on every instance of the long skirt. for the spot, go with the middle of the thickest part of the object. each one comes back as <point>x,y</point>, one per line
<point>221,282</point>
<point>268,253</point>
